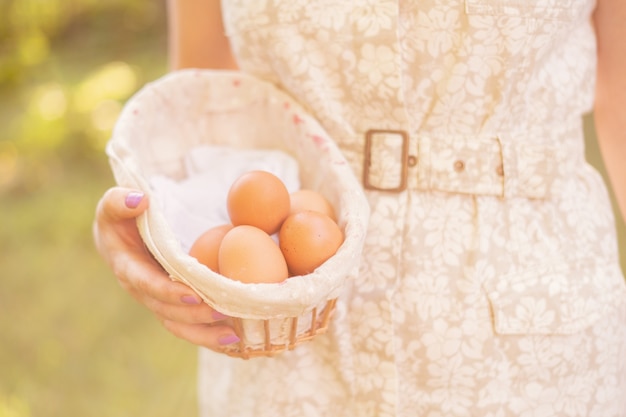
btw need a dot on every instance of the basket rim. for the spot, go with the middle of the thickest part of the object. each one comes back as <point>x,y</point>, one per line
<point>311,289</point>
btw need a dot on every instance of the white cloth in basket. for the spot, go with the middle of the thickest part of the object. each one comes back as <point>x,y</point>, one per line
<point>198,202</point>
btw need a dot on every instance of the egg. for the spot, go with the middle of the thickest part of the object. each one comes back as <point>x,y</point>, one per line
<point>306,199</point>
<point>260,199</point>
<point>206,247</point>
<point>250,255</point>
<point>307,239</point>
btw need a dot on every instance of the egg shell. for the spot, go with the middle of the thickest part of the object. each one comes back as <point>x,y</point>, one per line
<point>206,247</point>
<point>306,199</point>
<point>250,255</point>
<point>307,239</point>
<point>258,198</point>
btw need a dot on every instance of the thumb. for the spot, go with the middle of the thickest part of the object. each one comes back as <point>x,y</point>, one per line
<point>120,203</point>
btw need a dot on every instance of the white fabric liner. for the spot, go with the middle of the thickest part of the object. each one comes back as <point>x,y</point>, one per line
<point>198,202</point>
<point>187,109</point>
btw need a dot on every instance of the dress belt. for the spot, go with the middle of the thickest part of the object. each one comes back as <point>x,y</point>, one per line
<point>511,166</point>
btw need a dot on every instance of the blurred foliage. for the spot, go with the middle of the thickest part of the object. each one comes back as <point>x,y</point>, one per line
<point>72,343</point>
<point>66,68</point>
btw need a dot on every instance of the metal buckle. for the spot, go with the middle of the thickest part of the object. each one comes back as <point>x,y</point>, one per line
<point>367,160</point>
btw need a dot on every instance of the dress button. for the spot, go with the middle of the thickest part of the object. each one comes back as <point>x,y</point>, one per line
<point>411,160</point>
<point>459,166</point>
<point>500,170</point>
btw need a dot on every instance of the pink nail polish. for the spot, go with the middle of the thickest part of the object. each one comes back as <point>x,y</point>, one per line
<point>190,299</point>
<point>133,199</point>
<point>228,340</point>
<point>218,316</point>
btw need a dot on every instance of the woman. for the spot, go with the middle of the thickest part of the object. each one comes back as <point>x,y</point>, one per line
<point>490,282</point>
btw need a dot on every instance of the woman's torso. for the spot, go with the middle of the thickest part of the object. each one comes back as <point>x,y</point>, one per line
<point>482,277</point>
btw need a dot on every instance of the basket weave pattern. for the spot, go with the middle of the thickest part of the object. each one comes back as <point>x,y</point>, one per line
<point>189,108</point>
<point>319,322</point>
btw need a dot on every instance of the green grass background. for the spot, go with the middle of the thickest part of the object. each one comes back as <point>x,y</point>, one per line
<point>72,343</point>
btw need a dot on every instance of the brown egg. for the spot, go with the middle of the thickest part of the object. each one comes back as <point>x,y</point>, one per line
<point>260,199</point>
<point>306,199</point>
<point>206,247</point>
<point>250,255</point>
<point>307,239</point>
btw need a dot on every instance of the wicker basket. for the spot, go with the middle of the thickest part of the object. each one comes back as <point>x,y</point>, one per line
<point>185,109</point>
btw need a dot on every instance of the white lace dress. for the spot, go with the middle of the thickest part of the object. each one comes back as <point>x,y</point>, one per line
<point>490,283</point>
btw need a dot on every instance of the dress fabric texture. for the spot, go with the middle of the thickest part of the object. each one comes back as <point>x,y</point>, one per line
<point>490,285</point>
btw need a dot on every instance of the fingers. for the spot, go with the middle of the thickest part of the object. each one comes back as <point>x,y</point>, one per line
<point>120,203</point>
<point>114,228</point>
<point>179,304</point>
<point>213,337</point>
<point>141,276</point>
<point>178,307</point>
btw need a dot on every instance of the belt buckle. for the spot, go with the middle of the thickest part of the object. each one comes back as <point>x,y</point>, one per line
<point>367,160</point>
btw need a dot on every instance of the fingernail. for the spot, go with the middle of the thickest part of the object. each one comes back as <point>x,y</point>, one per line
<point>133,199</point>
<point>218,316</point>
<point>190,299</point>
<point>228,340</point>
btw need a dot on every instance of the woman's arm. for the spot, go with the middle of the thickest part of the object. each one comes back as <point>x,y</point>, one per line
<point>610,105</point>
<point>196,35</point>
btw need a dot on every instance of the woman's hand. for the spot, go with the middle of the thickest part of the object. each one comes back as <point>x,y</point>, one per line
<point>177,307</point>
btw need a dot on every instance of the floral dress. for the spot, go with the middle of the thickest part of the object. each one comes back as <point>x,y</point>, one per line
<point>490,284</point>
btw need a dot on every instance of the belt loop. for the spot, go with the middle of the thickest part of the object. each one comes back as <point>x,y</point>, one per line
<point>424,152</point>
